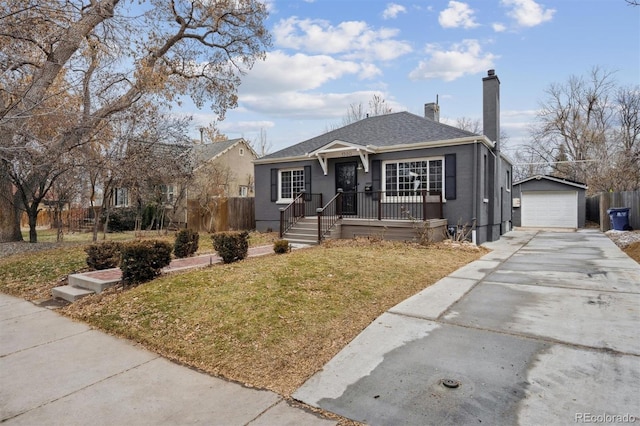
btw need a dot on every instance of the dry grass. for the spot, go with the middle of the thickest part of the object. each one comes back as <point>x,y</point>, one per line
<point>271,322</point>
<point>33,273</point>
<point>633,251</point>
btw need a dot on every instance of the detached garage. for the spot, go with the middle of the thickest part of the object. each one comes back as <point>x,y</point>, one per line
<point>549,202</point>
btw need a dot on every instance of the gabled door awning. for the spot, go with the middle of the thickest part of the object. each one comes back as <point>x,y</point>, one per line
<point>340,149</point>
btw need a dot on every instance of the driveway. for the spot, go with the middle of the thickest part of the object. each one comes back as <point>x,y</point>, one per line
<point>543,330</point>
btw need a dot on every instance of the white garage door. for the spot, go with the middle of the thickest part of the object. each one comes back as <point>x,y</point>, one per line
<point>550,209</point>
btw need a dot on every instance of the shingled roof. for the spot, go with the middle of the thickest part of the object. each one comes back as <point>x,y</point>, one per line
<point>205,152</point>
<point>400,128</point>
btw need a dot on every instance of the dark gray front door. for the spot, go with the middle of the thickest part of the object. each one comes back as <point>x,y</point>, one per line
<point>347,179</point>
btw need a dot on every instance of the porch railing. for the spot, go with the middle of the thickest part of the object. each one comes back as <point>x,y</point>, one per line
<point>329,215</point>
<point>305,204</point>
<point>396,205</point>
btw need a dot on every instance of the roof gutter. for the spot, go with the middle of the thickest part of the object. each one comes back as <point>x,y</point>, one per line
<point>373,149</point>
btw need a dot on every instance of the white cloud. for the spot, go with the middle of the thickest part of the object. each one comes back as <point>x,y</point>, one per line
<point>244,126</point>
<point>298,72</point>
<point>392,11</point>
<point>457,15</point>
<point>311,105</point>
<point>498,27</point>
<point>528,13</point>
<point>290,85</point>
<point>351,39</point>
<point>461,59</point>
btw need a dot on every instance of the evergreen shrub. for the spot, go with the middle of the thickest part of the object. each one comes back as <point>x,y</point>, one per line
<point>281,246</point>
<point>104,255</point>
<point>186,243</point>
<point>143,260</point>
<point>231,246</point>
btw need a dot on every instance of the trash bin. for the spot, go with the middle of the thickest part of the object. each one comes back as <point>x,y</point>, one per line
<point>619,218</point>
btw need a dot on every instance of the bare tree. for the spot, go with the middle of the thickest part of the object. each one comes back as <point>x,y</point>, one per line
<point>80,50</point>
<point>209,187</point>
<point>211,133</point>
<point>151,161</point>
<point>475,126</point>
<point>261,145</point>
<point>587,131</point>
<point>377,105</point>
<point>469,124</point>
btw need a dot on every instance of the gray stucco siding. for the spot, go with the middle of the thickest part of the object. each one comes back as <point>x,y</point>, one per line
<point>458,210</point>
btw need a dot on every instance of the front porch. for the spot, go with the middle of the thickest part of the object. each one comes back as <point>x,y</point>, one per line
<point>374,214</point>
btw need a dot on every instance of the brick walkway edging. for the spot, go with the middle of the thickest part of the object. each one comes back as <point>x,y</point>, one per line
<point>177,265</point>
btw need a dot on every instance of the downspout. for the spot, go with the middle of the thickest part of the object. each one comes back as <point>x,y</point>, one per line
<point>474,219</point>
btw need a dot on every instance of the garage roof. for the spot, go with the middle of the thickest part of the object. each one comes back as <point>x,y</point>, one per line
<point>553,179</point>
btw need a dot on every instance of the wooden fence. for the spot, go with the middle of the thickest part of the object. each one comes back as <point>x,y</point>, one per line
<point>597,206</point>
<point>222,214</point>
<point>73,220</point>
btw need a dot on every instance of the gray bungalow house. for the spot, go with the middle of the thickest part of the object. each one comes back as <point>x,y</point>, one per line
<point>389,175</point>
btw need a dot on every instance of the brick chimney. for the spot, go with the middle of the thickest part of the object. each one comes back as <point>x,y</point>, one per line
<point>491,107</point>
<point>432,111</point>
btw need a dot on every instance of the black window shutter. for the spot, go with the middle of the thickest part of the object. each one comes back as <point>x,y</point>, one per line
<point>450,177</point>
<point>307,183</point>
<point>376,172</point>
<point>274,184</point>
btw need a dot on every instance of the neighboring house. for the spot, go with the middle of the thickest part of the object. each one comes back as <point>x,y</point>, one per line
<point>393,169</point>
<point>152,183</point>
<point>549,202</point>
<point>222,177</point>
<point>180,176</point>
<point>226,164</point>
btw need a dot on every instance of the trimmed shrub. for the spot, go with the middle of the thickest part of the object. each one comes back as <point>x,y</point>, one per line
<point>281,247</point>
<point>104,255</point>
<point>143,260</point>
<point>186,243</point>
<point>231,246</point>
<point>121,219</point>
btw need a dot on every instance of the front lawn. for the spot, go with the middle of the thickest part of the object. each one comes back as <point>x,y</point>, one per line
<point>273,321</point>
<point>33,273</point>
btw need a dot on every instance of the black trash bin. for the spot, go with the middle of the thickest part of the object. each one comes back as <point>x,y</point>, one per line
<point>619,218</point>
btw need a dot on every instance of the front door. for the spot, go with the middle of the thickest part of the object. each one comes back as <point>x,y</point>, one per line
<point>347,179</point>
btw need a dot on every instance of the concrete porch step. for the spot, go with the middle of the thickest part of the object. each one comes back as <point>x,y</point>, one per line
<point>300,242</point>
<point>81,285</point>
<point>96,281</point>
<point>70,293</point>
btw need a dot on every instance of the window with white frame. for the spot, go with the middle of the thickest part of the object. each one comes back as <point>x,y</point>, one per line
<point>168,193</point>
<point>407,178</point>
<point>120,197</point>
<point>243,191</point>
<point>508,180</point>
<point>291,183</point>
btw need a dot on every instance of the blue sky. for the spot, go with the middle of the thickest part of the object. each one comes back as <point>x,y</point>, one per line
<point>329,54</point>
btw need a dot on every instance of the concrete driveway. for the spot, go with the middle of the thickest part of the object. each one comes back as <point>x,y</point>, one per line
<point>545,329</point>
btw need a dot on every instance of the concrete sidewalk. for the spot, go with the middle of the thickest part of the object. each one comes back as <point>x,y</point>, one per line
<point>542,330</point>
<point>54,371</point>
